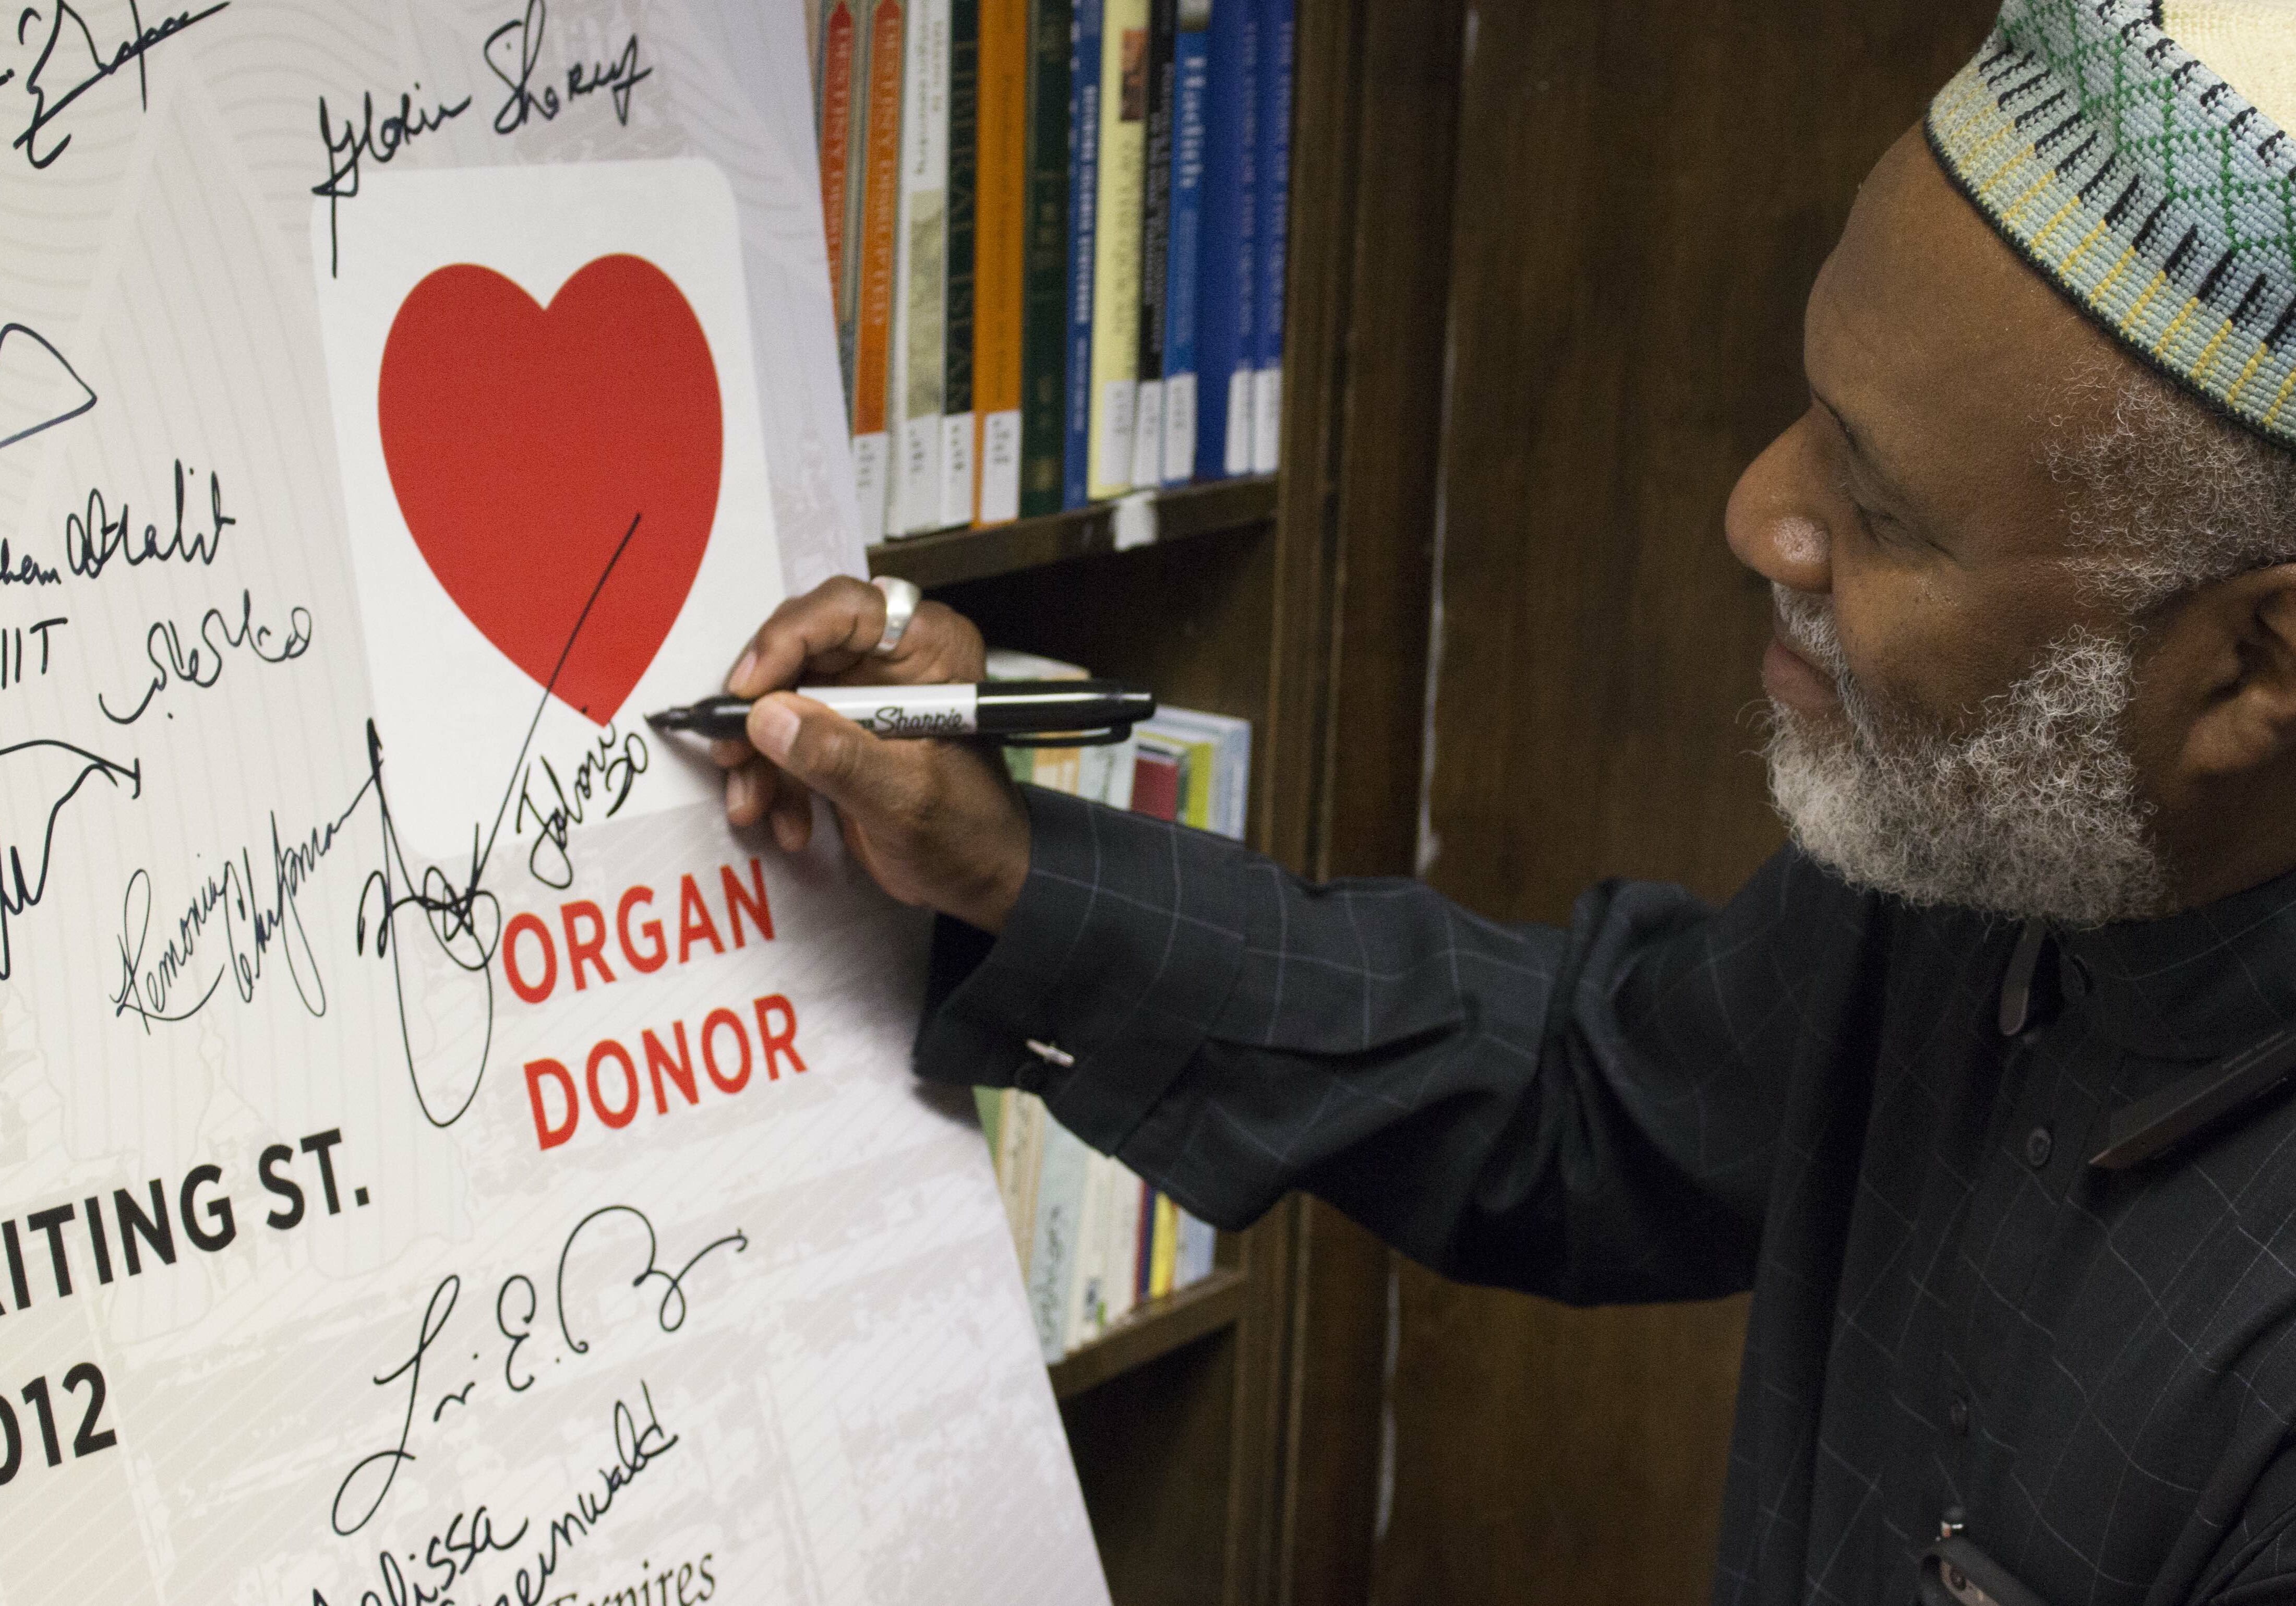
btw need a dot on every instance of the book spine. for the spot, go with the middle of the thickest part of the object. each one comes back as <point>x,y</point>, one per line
<point>1227,283</point>
<point>1164,1250</point>
<point>886,44</point>
<point>1275,206</point>
<point>920,312</point>
<point>1056,1241</point>
<point>1199,1251</point>
<point>840,86</point>
<point>1044,267</point>
<point>1026,1146</point>
<point>1000,259</point>
<point>1191,72</point>
<point>1087,1314</point>
<point>1155,243</point>
<point>1084,228</point>
<point>956,465</point>
<point>1115,273</point>
<point>1124,1222</point>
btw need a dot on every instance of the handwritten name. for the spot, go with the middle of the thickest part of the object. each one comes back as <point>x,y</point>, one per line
<point>513,53</point>
<point>95,537</point>
<point>70,47</point>
<point>351,145</point>
<point>553,806</point>
<point>65,770</point>
<point>19,569</point>
<point>173,663</point>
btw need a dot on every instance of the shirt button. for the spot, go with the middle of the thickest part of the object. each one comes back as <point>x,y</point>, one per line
<point>2038,1144</point>
<point>1957,1414</point>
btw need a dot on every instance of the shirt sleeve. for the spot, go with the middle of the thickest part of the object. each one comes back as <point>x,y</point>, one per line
<point>1590,1114</point>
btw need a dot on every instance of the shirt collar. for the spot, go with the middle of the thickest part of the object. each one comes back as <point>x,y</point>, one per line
<point>2199,984</point>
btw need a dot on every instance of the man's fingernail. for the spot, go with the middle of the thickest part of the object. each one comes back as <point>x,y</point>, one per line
<point>737,790</point>
<point>741,675</point>
<point>787,833</point>
<point>774,727</point>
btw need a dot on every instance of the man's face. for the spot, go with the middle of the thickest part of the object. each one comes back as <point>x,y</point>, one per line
<point>1949,701</point>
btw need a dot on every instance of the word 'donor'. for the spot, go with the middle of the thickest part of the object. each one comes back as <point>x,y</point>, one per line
<point>726,1060</point>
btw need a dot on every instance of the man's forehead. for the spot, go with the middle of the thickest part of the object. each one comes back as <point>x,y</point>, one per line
<point>1928,333</point>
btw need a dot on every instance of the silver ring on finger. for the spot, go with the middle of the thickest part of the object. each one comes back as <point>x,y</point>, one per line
<point>901,600</point>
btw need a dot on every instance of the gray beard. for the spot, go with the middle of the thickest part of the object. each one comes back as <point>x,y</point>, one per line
<point>2033,814</point>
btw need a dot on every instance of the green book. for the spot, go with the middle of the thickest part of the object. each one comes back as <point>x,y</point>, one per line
<point>1045,268</point>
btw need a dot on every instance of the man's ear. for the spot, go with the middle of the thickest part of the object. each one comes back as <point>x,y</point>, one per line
<point>2224,668</point>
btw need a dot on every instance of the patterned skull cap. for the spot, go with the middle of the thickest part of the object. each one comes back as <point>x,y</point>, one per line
<point>2134,151</point>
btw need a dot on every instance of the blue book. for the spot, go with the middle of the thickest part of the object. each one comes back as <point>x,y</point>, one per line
<point>1084,236</point>
<point>1274,202</point>
<point>1226,353</point>
<point>1192,84</point>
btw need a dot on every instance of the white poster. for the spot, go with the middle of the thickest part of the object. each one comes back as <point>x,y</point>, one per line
<point>442,1162</point>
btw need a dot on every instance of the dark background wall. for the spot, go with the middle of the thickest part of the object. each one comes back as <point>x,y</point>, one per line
<point>1582,232</point>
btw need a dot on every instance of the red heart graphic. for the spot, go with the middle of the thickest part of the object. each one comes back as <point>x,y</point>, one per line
<point>524,444</point>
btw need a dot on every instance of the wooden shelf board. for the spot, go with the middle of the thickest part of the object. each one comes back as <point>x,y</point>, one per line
<point>1155,1330</point>
<point>974,554</point>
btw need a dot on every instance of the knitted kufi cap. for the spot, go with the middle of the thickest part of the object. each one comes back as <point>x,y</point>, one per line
<point>2135,152</point>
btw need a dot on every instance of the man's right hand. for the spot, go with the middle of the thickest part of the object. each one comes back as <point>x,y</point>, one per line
<point>936,823</point>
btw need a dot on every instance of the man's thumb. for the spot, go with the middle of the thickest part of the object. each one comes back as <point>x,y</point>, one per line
<point>836,757</point>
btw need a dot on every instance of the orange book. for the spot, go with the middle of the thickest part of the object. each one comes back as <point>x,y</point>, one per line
<point>999,255</point>
<point>881,205</point>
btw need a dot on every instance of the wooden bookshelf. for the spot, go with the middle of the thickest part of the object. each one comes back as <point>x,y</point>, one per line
<point>1226,1458</point>
<point>1221,508</point>
<point>1152,1332</point>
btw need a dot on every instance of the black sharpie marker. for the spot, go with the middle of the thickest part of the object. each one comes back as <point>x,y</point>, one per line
<point>1043,713</point>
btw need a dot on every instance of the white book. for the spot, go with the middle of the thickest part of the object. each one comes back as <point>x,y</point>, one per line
<point>1000,467</point>
<point>956,470</point>
<point>1267,419</point>
<point>1148,435</point>
<point>1019,1154</point>
<point>1087,1314</point>
<point>919,387</point>
<point>1128,1194</point>
<point>1118,416</point>
<point>871,463</point>
<point>1057,1239</point>
<point>1240,388</point>
<point>1179,428</point>
<point>1199,1245</point>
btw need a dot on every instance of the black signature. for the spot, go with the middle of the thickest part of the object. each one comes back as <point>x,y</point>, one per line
<point>20,888</point>
<point>350,146</point>
<point>172,663</point>
<point>87,391</point>
<point>607,773</point>
<point>96,536</point>
<point>618,77</point>
<point>99,67</point>
<point>253,923</point>
<point>367,1486</point>
<point>463,920</point>
<point>22,570</point>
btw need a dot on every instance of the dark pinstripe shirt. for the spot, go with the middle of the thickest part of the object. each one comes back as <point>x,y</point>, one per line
<point>1805,1093</point>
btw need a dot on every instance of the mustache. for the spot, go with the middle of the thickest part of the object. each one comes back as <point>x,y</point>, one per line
<point>1805,623</point>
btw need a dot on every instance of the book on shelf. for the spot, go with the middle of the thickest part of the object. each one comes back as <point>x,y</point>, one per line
<point>1115,249</point>
<point>1085,50</point>
<point>1184,253</point>
<point>882,65</point>
<point>1155,246</point>
<point>840,92</point>
<point>1273,203</point>
<point>1000,259</point>
<point>1095,1241</point>
<point>1229,281</point>
<point>1057,234</point>
<point>1045,266</point>
<point>957,472</point>
<point>921,303</point>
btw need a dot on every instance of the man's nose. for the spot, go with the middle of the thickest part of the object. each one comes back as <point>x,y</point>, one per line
<point>1779,518</point>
